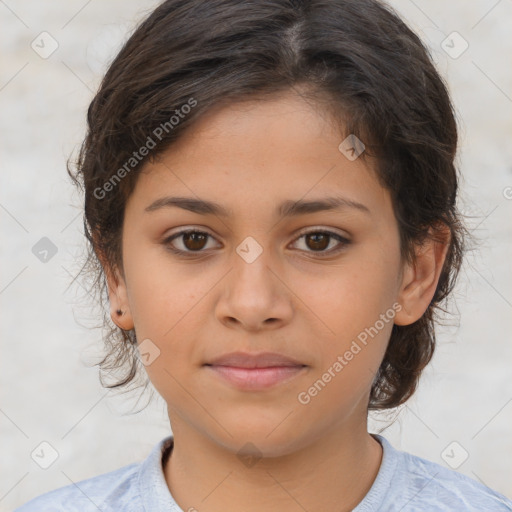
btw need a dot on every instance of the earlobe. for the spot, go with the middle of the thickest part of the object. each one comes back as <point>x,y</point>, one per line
<point>118,298</point>
<point>420,278</point>
<point>117,293</point>
<point>122,319</point>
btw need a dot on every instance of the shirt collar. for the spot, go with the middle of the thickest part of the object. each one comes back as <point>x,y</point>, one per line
<point>155,494</point>
<point>384,478</point>
<point>153,489</point>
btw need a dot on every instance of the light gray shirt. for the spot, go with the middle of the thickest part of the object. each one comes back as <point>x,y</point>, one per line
<point>404,483</point>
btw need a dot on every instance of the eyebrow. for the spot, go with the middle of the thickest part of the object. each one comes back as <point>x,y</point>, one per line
<point>287,208</point>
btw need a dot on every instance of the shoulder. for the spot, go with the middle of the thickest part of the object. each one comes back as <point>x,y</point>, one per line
<point>138,486</point>
<point>116,490</point>
<point>448,489</point>
<point>419,485</point>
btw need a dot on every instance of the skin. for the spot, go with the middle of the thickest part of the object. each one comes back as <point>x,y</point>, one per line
<point>249,157</point>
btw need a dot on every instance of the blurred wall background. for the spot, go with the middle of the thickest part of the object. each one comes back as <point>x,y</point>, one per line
<point>462,414</point>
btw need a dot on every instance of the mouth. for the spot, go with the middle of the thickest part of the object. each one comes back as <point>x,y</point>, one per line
<point>254,360</point>
<point>253,379</point>
<point>255,371</point>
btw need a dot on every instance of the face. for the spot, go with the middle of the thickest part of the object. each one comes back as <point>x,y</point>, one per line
<point>310,285</point>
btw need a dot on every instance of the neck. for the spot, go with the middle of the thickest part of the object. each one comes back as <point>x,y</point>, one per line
<point>333,472</point>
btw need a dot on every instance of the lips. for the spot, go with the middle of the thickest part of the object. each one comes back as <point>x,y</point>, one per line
<point>255,372</point>
<point>251,361</point>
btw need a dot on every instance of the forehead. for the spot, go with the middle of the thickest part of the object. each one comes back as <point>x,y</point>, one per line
<point>257,154</point>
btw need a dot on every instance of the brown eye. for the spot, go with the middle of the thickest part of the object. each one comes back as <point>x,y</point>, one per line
<point>194,241</point>
<point>191,241</point>
<point>319,241</point>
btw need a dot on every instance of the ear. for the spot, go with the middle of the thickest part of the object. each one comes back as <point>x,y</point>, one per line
<point>117,293</point>
<point>420,278</point>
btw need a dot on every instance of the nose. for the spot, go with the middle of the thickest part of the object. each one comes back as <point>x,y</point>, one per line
<point>255,295</point>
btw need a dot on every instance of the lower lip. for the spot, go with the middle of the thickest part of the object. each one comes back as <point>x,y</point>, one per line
<point>257,378</point>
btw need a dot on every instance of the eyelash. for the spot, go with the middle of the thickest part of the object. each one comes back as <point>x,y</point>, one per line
<point>342,241</point>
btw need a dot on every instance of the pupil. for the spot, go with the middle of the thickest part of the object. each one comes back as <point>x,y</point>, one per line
<point>194,237</point>
<point>323,238</point>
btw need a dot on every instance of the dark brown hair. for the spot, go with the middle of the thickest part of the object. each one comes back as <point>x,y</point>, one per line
<point>354,58</point>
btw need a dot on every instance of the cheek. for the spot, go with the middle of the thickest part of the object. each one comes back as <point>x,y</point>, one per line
<point>167,309</point>
<point>356,308</point>
<point>159,291</point>
<point>353,296</point>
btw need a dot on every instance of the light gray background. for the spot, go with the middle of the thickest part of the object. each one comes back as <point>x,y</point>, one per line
<point>50,392</point>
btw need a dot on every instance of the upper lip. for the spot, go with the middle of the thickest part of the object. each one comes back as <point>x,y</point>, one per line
<point>259,360</point>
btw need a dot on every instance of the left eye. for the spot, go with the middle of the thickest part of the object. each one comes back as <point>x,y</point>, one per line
<point>318,241</point>
<point>194,241</point>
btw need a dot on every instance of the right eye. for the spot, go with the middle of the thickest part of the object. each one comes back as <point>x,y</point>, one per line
<point>191,241</point>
